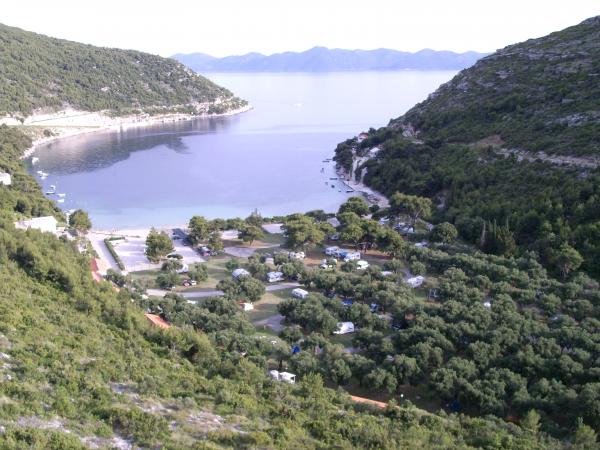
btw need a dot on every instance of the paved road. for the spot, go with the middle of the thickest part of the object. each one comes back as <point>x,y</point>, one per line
<point>215,293</point>
<point>107,260</point>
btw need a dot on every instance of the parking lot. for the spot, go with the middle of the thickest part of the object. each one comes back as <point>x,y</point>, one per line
<point>131,251</point>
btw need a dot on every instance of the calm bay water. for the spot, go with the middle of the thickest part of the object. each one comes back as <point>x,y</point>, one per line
<point>269,158</point>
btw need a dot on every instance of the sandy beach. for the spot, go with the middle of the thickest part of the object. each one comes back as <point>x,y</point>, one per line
<point>71,122</point>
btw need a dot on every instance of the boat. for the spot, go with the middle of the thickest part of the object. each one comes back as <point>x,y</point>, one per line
<point>349,190</point>
<point>61,195</point>
<point>34,160</point>
<point>333,178</point>
<point>326,160</point>
<point>339,190</point>
<point>332,186</point>
<point>39,172</point>
<point>60,200</point>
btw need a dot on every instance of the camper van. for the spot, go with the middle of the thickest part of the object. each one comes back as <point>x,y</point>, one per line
<point>344,328</point>
<point>273,277</point>
<point>352,256</point>
<point>299,293</point>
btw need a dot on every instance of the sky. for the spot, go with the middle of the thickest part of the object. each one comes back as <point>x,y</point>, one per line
<point>233,27</point>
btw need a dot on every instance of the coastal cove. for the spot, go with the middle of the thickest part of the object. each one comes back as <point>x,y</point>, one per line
<point>163,174</point>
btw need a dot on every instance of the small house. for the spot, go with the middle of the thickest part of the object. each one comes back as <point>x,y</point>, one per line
<point>362,136</point>
<point>273,277</point>
<point>415,282</point>
<point>5,179</point>
<point>47,224</point>
<point>299,293</point>
<point>344,328</point>
<point>238,273</point>
<point>157,321</point>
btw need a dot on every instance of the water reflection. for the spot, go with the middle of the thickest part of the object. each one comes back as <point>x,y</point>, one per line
<point>90,152</point>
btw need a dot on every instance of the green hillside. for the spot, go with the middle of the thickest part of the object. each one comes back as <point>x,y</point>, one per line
<point>80,366</point>
<point>37,71</point>
<point>475,146</point>
<point>539,95</point>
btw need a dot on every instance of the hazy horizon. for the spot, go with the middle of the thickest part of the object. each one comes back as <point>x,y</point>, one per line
<point>328,48</point>
<point>267,26</point>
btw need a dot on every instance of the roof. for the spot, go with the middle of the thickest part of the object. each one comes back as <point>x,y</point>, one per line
<point>157,321</point>
<point>368,401</point>
<point>240,273</point>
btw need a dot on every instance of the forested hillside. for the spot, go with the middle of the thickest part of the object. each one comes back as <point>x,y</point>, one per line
<point>539,95</point>
<point>37,71</point>
<point>82,368</point>
<point>456,148</point>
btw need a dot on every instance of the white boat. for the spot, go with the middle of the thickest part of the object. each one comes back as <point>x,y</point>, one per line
<point>39,172</point>
<point>34,160</point>
<point>60,200</point>
<point>61,195</point>
<point>50,191</point>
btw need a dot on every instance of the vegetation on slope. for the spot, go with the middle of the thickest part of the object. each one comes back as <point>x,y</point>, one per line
<point>41,72</point>
<point>539,95</point>
<point>80,367</point>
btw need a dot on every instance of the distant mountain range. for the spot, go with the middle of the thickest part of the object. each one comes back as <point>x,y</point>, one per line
<point>321,59</point>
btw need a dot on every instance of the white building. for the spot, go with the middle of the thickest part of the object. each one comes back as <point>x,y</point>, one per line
<point>237,273</point>
<point>344,328</point>
<point>5,179</point>
<point>45,224</point>
<point>273,277</point>
<point>299,293</point>
<point>246,306</point>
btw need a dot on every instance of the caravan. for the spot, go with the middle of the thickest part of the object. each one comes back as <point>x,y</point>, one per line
<point>344,328</point>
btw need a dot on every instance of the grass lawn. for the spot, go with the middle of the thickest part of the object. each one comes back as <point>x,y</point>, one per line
<point>343,339</point>
<point>267,305</point>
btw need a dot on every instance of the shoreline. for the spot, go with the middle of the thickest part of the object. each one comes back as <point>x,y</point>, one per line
<point>370,195</point>
<point>83,122</point>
